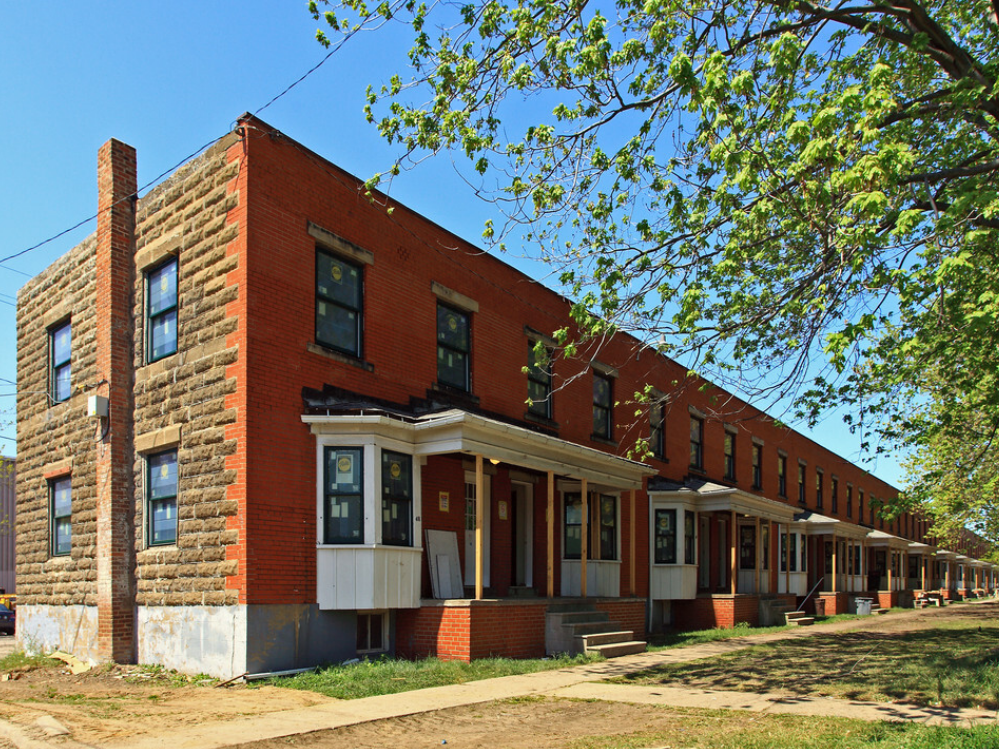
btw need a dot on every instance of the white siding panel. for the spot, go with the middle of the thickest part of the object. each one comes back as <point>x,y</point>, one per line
<point>603,578</point>
<point>674,582</point>
<point>368,578</point>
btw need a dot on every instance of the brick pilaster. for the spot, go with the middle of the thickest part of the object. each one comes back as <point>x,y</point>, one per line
<point>116,187</point>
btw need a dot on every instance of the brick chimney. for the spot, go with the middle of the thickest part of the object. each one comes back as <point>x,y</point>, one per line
<point>116,198</point>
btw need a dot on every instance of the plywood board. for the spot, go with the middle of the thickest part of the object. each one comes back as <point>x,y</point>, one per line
<point>443,560</point>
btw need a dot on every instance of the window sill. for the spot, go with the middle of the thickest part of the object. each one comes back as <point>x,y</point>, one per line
<point>541,420</point>
<point>337,356</point>
<point>456,394</point>
<point>603,440</point>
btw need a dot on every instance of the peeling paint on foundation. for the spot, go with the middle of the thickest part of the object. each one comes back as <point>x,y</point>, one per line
<point>73,628</point>
<point>194,639</point>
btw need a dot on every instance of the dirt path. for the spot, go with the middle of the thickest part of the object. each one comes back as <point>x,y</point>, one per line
<point>123,708</point>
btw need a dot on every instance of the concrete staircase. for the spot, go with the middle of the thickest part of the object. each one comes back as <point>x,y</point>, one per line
<point>774,612</point>
<point>578,627</point>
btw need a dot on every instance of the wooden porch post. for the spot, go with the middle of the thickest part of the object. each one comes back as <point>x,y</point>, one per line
<point>834,560</point>
<point>733,556</point>
<point>584,540</point>
<point>947,575</point>
<point>891,559</point>
<point>631,546</point>
<point>551,534</point>
<point>922,569</point>
<point>756,563</point>
<point>480,523</point>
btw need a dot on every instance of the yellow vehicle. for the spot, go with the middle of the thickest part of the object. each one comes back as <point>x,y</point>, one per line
<point>9,600</point>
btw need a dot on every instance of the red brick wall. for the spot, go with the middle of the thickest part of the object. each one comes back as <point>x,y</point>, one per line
<point>836,603</point>
<point>706,612</point>
<point>287,187</point>
<point>629,612</point>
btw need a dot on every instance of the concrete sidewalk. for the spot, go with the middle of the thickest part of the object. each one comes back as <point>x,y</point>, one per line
<point>579,682</point>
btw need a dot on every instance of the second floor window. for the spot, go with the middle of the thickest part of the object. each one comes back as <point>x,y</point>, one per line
<point>860,505</point>
<point>539,381</point>
<point>161,311</point>
<point>339,304</point>
<point>849,501</point>
<point>453,348</point>
<point>162,498</point>
<point>696,442</point>
<point>60,353</point>
<point>602,406</point>
<point>729,455</point>
<point>657,429</point>
<point>757,466</point>
<point>834,494</point>
<point>782,475</point>
<point>818,488</point>
<point>801,484</point>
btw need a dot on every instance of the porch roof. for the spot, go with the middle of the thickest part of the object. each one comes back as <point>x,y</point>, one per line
<point>915,547</point>
<point>821,525</point>
<point>880,538</point>
<point>458,431</point>
<point>711,497</point>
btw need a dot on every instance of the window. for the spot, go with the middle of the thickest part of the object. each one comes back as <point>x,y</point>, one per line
<point>371,632</point>
<point>849,500</point>
<point>343,514</point>
<point>765,543</point>
<point>339,303</point>
<point>870,509</point>
<point>801,484</point>
<point>608,527</point>
<point>161,312</point>
<point>818,488</point>
<point>747,548</point>
<point>729,455</point>
<point>696,442</point>
<point>60,353</point>
<point>665,536</point>
<point>657,430</point>
<point>60,512</point>
<point>860,505</point>
<point>757,466</point>
<point>834,494</point>
<point>397,499</point>
<point>602,405</point>
<point>784,551</point>
<point>572,545</point>
<point>162,498</point>
<point>782,475</point>
<point>453,348</point>
<point>539,381</point>
<point>689,537</point>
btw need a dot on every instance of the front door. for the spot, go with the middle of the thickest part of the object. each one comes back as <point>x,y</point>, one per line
<point>470,501</point>
<point>704,554</point>
<point>523,534</point>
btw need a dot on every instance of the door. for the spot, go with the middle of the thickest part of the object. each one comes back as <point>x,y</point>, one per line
<point>470,502</point>
<point>523,534</point>
<point>704,555</point>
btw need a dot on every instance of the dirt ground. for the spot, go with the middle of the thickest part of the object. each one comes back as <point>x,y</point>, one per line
<point>112,705</point>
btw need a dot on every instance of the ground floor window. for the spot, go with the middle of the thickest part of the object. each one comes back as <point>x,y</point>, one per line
<point>608,527</point>
<point>665,531</point>
<point>162,504</point>
<point>747,547</point>
<point>61,512</point>
<point>397,499</point>
<point>689,537</point>
<point>602,515</point>
<point>785,540</point>
<point>343,513</point>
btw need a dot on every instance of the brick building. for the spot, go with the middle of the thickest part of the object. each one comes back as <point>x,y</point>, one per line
<point>281,426</point>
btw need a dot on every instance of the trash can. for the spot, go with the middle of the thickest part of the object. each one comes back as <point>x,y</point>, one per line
<point>820,606</point>
<point>864,606</point>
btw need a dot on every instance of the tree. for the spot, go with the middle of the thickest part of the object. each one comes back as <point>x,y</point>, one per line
<point>790,197</point>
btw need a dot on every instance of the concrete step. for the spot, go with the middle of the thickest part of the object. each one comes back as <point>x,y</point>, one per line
<point>606,638</point>
<point>579,629</point>
<point>613,650</point>
<point>578,617</point>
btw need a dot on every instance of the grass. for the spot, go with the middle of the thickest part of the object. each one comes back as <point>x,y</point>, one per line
<point>723,730</point>
<point>955,664</point>
<point>392,675</point>
<point>19,661</point>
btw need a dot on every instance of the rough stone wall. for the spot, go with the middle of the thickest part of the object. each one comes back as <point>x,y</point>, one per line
<point>51,434</point>
<point>191,214</point>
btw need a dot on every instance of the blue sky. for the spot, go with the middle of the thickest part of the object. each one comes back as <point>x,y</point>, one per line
<point>168,78</point>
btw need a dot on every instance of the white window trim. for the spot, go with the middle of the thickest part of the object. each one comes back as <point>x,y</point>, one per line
<point>371,450</point>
